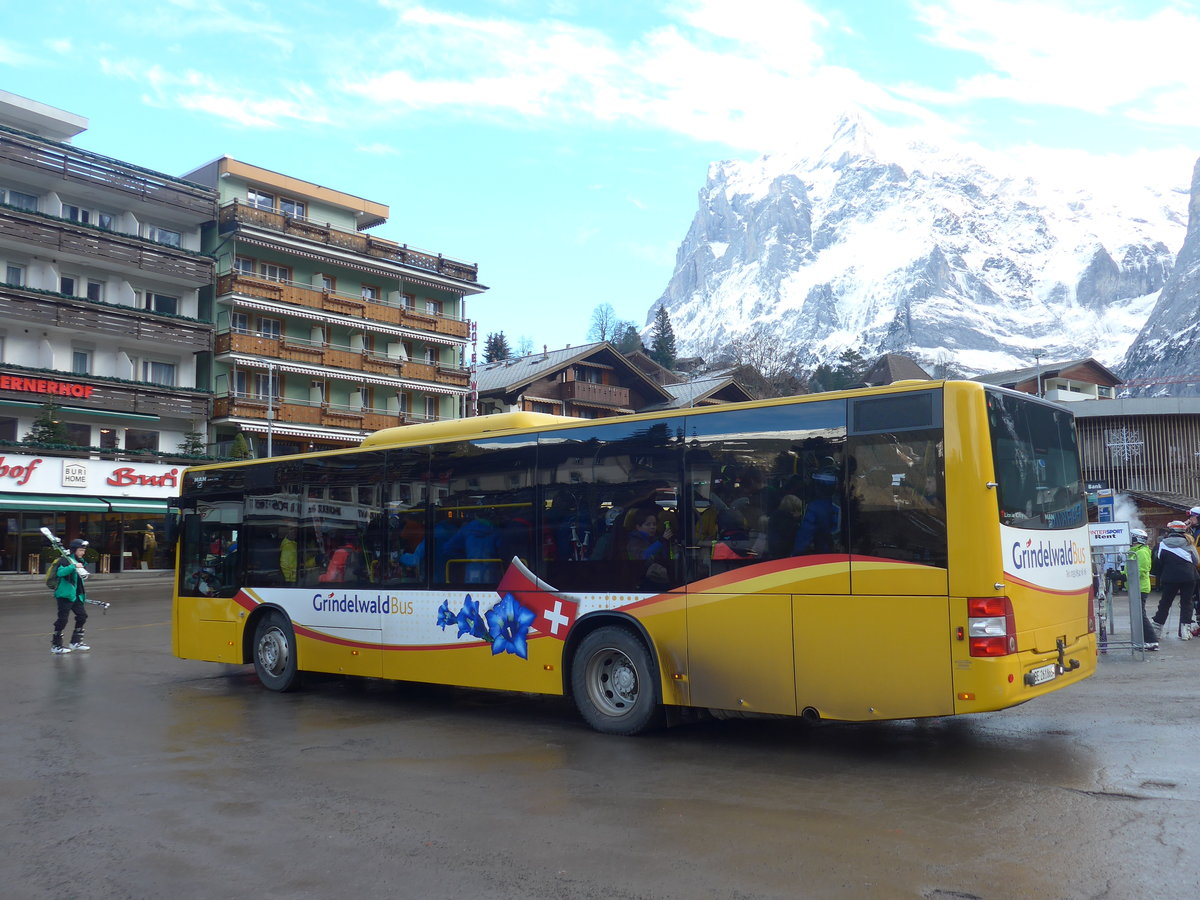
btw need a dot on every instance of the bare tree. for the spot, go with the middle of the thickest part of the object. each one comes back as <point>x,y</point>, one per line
<point>604,323</point>
<point>772,359</point>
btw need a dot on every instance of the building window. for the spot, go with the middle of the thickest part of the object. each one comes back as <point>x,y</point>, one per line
<point>260,199</point>
<point>162,303</point>
<point>77,214</point>
<point>158,372</point>
<point>266,384</point>
<point>328,283</point>
<point>81,362</point>
<point>164,236</point>
<point>370,293</point>
<point>294,208</point>
<point>78,435</point>
<point>269,328</point>
<point>14,275</point>
<point>408,301</point>
<point>107,221</point>
<point>108,439</point>
<point>430,356</point>
<point>405,403</point>
<point>273,272</point>
<point>95,289</point>
<point>20,200</point>
<point>433,307</point>
<point>239,323</point>
<point>431,407</point>
<point>8,428</point>
<point>66,285</point>
<point>243,265</point>
<point>140,440</point>
<point>539,407</point>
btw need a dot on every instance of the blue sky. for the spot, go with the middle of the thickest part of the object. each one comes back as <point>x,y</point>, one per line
<point>560,144</point>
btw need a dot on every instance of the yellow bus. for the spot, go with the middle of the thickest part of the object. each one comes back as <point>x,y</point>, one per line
<point>912,550</point>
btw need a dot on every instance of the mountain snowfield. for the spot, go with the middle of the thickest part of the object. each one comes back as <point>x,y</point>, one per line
<point>881,245</point>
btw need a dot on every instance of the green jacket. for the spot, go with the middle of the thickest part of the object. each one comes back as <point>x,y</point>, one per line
<point>1141,553</point>
<point>70,585</point>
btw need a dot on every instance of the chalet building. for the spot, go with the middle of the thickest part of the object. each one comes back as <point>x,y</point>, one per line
<point>102,316</point>
<point>1067,382</point>
<point>588,382</point>
<point>892,367</point>
<point>324,333</point>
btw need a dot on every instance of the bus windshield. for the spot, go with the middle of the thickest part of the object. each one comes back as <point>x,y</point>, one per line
<point>1037,463</point>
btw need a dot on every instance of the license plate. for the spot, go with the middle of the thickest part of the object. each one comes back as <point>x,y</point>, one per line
<point>1042,674</point>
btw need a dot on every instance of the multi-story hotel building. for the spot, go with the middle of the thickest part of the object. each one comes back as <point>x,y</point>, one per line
<point>101,316</point>
<point>325,334</point>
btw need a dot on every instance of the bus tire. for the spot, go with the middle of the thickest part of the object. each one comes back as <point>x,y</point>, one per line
<point>275,653</point>
<point>613,682</point>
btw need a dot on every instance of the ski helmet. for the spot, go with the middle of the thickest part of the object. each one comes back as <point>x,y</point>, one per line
<point>77,543</point>
<point>1176,525</point>
<point>1139,536</point>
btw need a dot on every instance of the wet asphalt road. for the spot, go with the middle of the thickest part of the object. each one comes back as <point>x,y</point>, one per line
<point>129,773</point>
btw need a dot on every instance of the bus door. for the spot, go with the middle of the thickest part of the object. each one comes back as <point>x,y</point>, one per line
<point>763,523</point>
<point>896,528</point>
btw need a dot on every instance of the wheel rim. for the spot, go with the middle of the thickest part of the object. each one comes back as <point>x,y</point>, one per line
<point>273,653</point>
<point>612,682</point>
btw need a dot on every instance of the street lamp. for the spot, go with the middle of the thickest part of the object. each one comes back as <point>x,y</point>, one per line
<point>270,405</point>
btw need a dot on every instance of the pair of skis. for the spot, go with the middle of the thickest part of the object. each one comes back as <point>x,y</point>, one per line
<point>66,555</point>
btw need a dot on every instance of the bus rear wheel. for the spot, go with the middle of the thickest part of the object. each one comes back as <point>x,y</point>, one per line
<point>614,684</point>
<point>275,653</point>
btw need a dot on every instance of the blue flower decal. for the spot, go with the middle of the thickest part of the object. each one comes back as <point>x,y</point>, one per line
<point>445,617</point>
<point>508,623</point>
<point>470,621</point>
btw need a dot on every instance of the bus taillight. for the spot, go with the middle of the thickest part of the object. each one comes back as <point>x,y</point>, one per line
<point>991,626</point>
<point>1091,619</point>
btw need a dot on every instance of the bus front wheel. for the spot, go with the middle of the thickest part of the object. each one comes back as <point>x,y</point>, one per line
<point>612,678</point>
<point>275,653</point>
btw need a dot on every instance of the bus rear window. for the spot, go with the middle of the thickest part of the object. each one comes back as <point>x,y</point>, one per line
<point>1036,457</point>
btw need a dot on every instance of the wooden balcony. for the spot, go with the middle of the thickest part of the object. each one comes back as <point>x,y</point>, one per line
<point>340,304</point>
<point>234,214</point>
<point>604,394</point>
<point>328,357</point>
<point>57,237</point>
<point>39,159</point>
<point>18,304</point>
<point>309,414</point>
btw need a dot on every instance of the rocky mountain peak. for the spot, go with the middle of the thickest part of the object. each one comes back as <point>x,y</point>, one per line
<point>879,245</point>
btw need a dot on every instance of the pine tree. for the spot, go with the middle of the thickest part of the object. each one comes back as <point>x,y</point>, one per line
<point>628,340</point>
<point>662,339</point>
<point>496,347</point>
<point>47,429</point>
<point>193,444</point>
<point>239,449</point>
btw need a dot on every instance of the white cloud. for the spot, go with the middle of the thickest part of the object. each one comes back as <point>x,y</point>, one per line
<point>12,55</point>
<point>1059,54</point>
<point>193,90</point>
<point>746,73</point>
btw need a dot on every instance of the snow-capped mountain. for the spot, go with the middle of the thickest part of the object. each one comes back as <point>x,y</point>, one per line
<point>878,245</point>
<point>1165,357</point>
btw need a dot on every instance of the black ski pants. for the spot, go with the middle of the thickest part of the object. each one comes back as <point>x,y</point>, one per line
<point>65,608</point>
